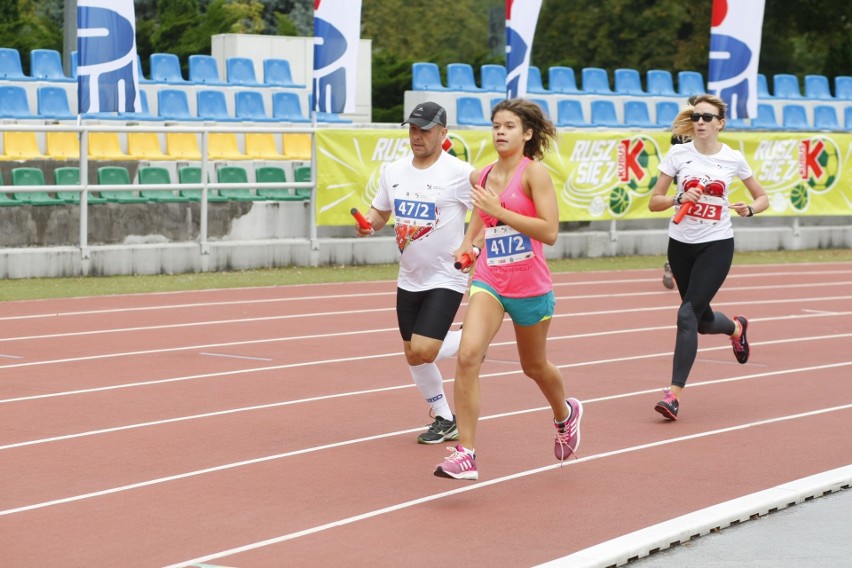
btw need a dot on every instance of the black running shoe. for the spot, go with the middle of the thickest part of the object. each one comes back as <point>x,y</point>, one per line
<point>668,279</point>
<point>439,431</point>
<point>740,344</point>
<point>668,406</point>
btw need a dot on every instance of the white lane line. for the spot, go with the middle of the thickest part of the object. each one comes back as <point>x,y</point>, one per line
<point>229,356</point>
<point>483,484</point>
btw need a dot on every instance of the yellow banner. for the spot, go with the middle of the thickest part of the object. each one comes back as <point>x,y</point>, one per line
<point>601,175</point>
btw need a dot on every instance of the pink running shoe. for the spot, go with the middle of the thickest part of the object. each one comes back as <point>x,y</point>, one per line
<point>568,434</point>
<point>740,344</point>
<point>669,406</point>
<point>460,465</point>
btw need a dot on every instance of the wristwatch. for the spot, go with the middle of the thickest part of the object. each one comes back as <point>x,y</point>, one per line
<point>750,211</point>
<point>678,199</point>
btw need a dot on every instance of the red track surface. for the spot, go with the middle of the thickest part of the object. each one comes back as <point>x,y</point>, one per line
<point>275,426</point>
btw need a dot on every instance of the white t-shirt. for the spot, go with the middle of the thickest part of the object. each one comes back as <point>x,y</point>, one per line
<point>710,219</point>
<point>429,208</point>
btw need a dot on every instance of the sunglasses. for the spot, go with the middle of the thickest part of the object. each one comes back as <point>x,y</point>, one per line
<point>706,117</point>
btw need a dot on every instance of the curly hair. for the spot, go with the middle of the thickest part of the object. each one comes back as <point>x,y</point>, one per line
<point>682,125</point>
<point>532,118</point>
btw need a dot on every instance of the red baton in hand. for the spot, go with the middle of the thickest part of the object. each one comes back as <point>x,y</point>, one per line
<point>362,221</point>
<point>685,208</point>
<point>466,259</point>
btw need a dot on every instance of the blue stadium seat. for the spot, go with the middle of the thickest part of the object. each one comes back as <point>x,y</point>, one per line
<point>13,102</point>
<point>277,72</point>
<point>460,77</point>
<point>331,117</point>
<point>534,84</point>
<point>666,113</point>
<point>74,64</point>
<point>173,104</point>
<point>690,83</point>
<point>543,104</point>
<point>53,103</point>
<point>46,65</point>
<point>10,65</point>
<point>165,68</point>
<point>628,82</point>
<point>426,76</point>
<point>817,88</point>
<point>660,83</point>
<point>469,112</point>
<point>765,119</point>
<point>825,118</point>
<point>847,118</point>
<point>843,87</point>
<point>596,80</point>
<point>286,106</point>
<point>736,124</point>
<point>569,112</point>
<point>603,114</point>
<point>636,114</point>
<point>786,86</point>
<point>794,117</point>
<point>493,78</point>
<point>211,105</point>
<point>204,69</point>
<point>249,106</point>
<point>240,71</point>
<point>562,80</point>
<point>762,87</point>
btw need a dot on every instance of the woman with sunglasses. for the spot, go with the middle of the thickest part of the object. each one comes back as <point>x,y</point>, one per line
<point>701,243</point>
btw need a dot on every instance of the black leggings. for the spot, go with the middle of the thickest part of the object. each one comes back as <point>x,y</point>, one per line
<point>699,270</point>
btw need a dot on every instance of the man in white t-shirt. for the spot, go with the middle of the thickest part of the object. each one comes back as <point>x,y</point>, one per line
<point>428,193</point>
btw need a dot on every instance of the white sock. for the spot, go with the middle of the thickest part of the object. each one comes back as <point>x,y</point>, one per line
<point>428,379</point>
<point>450,346</point>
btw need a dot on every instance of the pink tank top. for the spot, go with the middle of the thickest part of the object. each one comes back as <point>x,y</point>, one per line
<point>512,263</point>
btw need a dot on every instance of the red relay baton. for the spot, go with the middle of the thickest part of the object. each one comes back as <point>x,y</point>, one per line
<point>685,208</point>
<point>362,221</point>
<point>466,260</point>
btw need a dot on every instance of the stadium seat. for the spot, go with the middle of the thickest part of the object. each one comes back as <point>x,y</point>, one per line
<point>117,175</point>
<point>786,86</point>
<point>825,118</point>
<point>10,65</point>
<point>843,87</point>
<point>62,145</point>
<point>52,102</point>
<point>543,104</point>
<point>46,65</point>
<point>70,175</point>
<point>331,117</point>
<point>249,107</point>
<point>569,112</point>
<point>192,174</point>
<point>762,87</point>
<point>297,145</point>
<point>660,83</point>
<point>105,146</point>
<point>224,146</point>
<point>276,72</point>
<point>603,114</point>
<point>493,78</point>
<point>234,174</point>
<point>165,68</point>
<point>302,174</point>
<point>273,174</point>
<point>794,117</point>
<point>31,176</point>
<point>561,80</point>
<point>636,115</point>
<point>204,69</point>
<point>460,78</point>
<point>736,124</point>
<point>847,119</point>
<point>262,146</point>
<point>287,107</point>
<point>817,88</point>
<point>145,146</point>
<point>240,71</point>
<point>666,113</point>
<point>765,119</point>
<point>173,104</point>
<point>21,145</point>
<point>534,84</point>
<point>182,146</point>
<point>426,76</point>
<point>73,64</point>
<point>596,81</point>
<point>628,82</point>
<point>13,102</point>
<point>160,176</point>
<point>211,105</point>
<point>690,83</point>
<point>469,112</point>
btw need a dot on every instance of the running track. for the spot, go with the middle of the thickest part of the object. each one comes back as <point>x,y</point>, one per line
<point>273,427</point>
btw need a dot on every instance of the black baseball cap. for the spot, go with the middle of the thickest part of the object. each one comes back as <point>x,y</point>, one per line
<point>427,115</point>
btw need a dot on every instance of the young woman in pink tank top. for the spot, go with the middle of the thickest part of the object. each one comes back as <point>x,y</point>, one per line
<point>516,213</point>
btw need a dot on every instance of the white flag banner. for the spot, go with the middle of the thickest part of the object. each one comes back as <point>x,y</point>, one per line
<point>521,19</point>
<point>734,54</point>
<point>337,32</point>
<point>107,69</point>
